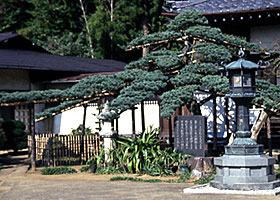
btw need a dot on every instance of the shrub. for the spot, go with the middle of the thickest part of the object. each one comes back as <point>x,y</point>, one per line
<point>78,130</point>
<point>3,137</point>
<point>16,136</point>
<point>58,170</point>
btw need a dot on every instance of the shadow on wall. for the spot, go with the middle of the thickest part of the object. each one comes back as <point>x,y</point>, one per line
<point>207,111</point>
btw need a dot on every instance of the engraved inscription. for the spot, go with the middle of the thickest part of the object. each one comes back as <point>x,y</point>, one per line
<point>189,134</point>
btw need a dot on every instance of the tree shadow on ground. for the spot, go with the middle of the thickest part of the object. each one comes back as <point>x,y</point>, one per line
<point>10,159</point>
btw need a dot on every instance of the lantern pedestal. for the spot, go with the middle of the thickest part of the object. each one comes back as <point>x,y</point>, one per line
<point>243,150</point>
<point>251,172</point>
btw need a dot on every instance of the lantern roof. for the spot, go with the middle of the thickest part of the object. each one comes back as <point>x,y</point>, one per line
<point>242,64</point>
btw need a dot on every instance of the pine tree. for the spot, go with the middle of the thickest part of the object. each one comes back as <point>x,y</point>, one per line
<point>183,59</point>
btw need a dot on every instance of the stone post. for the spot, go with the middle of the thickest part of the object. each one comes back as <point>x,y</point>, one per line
<point>106,131</point>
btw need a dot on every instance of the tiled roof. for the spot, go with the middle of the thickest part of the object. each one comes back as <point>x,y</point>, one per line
<point>222,6</point>
<point>7,35</point>
<point>16,52</point>
<point>32,60</point>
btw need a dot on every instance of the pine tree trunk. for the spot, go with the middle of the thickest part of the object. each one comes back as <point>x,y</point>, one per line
<point>145,32</point>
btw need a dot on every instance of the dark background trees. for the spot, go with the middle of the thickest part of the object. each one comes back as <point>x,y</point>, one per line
<point>60,28</point>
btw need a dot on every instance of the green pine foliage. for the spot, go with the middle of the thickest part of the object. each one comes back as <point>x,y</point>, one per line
<point>186,19</point>
<point>57,109</point>
<point>183,58</point>
<point>269,95</point>
<point>209,33</point>
<point>175,98</point>
<point>215,83</point>
<point>213,52</point>
<point>145,85</point>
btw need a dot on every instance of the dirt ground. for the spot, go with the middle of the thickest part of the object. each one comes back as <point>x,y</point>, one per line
<point>18,183</point>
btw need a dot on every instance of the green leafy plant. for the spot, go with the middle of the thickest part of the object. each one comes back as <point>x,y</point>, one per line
<point>119,178</point>
<point>84,168</point>
<point>139,152</point>
<point>184,177</point>
<point>204,180</point>
<point>142,155</point>
<point>58,170</point>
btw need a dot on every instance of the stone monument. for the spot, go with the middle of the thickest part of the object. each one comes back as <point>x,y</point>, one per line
<point>189,135</point>
<point>244,165</point>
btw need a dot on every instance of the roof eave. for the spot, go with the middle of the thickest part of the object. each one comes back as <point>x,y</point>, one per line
<point>227,13</point>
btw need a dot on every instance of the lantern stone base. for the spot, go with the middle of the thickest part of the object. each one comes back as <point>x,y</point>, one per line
<point>251,172</point>
<point>244,150</point>
<point>246,186</point>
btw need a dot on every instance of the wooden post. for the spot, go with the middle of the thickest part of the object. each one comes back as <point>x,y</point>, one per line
<point>133,122</point>
<point>117,125</point>
<point>84,119</point>
<point>83,133</point>
<point>143,116</point>
<point>50,150</point>
<point>32,133</point>
<point>180,111</point>
<point>227,119</point>
<point>170,131</point>
<point>215,146</point>
<point>268,132</point>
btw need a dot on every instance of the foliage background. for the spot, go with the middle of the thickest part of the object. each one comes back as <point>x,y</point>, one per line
<point>58,26</point>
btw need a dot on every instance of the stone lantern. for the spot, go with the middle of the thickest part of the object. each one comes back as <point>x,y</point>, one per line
<point>106,131</point>
<point>242,89</point>
<point>244,165</point>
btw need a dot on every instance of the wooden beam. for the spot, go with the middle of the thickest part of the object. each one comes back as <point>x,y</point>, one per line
<point>268,133</point>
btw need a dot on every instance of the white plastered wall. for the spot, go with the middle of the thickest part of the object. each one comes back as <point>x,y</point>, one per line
<point>71,119</point>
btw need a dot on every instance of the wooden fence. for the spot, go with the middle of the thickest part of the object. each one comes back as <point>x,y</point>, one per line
<point>55,150</point>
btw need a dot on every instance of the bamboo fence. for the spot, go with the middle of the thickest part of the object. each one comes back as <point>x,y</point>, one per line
<point>56,150</point>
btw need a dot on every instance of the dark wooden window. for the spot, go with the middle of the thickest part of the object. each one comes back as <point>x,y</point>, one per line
<point>165,123</point>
